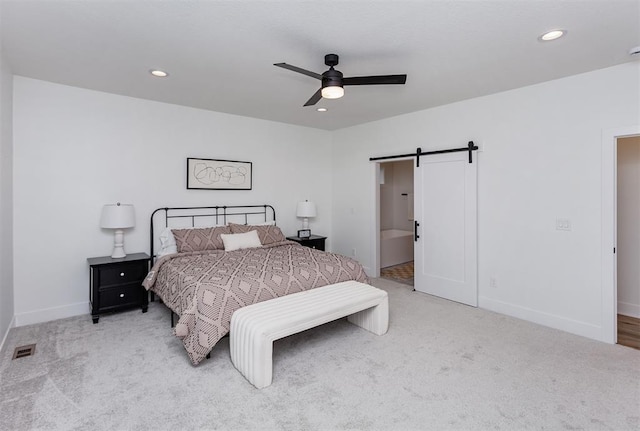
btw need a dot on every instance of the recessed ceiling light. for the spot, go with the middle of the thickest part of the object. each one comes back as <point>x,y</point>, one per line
<point>552,35</point>
<point>321,109</point>
<point>158,73</point>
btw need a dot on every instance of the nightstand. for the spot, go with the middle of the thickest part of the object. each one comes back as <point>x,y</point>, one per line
<point>116,284</point>
<point>314,241</point>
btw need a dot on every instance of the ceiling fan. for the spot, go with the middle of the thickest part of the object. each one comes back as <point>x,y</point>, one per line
<point>333,81</point>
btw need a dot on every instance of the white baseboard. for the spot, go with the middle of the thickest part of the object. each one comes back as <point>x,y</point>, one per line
<point>6,334</point>
<point>557,322</point>
<point>54,313</point>
<point>629,309</point>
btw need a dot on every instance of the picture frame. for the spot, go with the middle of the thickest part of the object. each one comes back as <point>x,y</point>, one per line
<point>215,174</point>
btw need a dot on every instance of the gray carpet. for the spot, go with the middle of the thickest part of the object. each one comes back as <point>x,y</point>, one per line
<point>441,366</point>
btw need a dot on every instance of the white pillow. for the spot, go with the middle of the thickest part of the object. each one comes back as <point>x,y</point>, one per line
<point>167,243</point>
<point>238,241</point>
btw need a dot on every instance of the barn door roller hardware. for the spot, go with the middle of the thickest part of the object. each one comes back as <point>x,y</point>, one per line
<point>471,147</point>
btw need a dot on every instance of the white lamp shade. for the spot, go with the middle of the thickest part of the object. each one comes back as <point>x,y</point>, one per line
<point>306,209</point>
<point>118,216</point>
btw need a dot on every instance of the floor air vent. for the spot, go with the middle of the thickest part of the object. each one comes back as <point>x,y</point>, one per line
<point>24,351</point>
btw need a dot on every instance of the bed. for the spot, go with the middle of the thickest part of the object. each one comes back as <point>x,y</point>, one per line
<point>216,269</point>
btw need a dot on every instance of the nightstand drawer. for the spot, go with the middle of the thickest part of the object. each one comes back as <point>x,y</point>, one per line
<point>119,296</point>
<point>316,244</point>
<point>314,241</point>
<point>134,272</point>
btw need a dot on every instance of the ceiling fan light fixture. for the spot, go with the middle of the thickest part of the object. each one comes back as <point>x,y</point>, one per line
<point>332,92</point>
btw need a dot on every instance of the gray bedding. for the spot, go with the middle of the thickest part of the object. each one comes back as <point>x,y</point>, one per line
<point>204,288</point>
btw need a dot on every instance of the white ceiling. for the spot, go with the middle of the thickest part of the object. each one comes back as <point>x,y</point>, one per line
<point>220,54</point>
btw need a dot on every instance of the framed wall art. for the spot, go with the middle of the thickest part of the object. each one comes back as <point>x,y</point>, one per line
<point>211,174</point>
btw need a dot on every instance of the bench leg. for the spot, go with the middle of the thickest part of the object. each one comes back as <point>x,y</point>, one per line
<point>261,370</point>
<point>251,353</point>
<point>374,319</point>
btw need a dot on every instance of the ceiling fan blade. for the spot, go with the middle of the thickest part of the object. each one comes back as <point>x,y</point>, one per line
<point>299,70</point>
<point>315,98</point>
<point>375,80</point>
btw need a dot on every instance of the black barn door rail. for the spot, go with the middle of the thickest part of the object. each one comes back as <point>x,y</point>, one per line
<point>471,147</point>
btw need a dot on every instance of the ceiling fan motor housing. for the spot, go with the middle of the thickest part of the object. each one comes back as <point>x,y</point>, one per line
<point>332,78</point>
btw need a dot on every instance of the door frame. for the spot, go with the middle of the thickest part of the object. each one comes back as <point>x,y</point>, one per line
<point>609,324</point>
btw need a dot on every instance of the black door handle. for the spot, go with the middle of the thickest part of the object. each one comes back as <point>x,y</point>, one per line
<point>415,232</point>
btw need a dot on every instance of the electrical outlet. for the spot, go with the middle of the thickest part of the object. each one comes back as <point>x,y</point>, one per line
<point>563,224</point>
<point>353,252</point>
<point>493,282</point>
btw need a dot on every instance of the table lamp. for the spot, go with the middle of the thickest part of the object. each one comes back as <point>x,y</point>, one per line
<point>306,210</point>
<point>118,216</point>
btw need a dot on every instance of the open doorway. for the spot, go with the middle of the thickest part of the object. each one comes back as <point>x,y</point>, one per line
<point>628,240</point>
<point>396,221</point>
<point>609,228</point>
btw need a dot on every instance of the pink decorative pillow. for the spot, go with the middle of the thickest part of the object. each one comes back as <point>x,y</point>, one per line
<point>200,239</point>
<point>267,234</point>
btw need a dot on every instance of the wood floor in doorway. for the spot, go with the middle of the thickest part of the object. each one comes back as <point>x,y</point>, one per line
<point>402,273</point>
<point>629,331</point>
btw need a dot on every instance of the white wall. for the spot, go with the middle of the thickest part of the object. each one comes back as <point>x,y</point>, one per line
<point>76,150</point>
<point>628,251</point>
<point>386,196</point>
<point>541,160</point>
<point>6,197</point>
<point>394,210</point>
<point>402,184</point>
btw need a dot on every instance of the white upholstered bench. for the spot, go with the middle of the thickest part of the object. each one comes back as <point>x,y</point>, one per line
<point>255,327</point>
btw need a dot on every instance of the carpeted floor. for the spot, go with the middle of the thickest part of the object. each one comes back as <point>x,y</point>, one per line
<point>441,366</point>
<point>402,273</point>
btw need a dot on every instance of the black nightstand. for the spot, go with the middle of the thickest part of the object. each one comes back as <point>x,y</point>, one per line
<point>116,284</point>
<point>314,241</point>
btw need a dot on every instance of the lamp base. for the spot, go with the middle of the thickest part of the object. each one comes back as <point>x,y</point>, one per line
<point>305,223</point>
<point>118,245</point>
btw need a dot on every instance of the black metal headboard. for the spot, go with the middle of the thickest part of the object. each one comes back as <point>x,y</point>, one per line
<point>208,216</point>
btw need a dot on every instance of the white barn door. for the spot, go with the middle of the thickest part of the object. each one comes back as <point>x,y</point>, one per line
<point>446,257</point>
